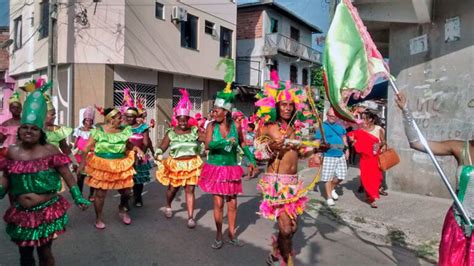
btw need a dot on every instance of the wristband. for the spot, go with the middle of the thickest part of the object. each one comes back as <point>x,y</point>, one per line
<point>158,151</point>
<point>77,196</point>
<point>249,155</point>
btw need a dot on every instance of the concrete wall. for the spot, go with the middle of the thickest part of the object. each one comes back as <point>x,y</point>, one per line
<point>254,23</point>
<point>93,84</point>
<point>33,54</point>
<point>439,86</point>
<point>156,43</point>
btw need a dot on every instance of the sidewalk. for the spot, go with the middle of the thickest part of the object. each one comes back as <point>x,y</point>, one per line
<point>408,220</point>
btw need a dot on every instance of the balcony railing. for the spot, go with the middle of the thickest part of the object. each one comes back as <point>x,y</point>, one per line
<point>276,42</point>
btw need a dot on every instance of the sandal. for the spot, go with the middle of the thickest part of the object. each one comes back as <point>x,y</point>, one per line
<point>100,225</point>
<point>125,218</point>
<point>383,193</point>
<point>235,242</point>
<point>191,223</point>
<point>271,260</point>
<point>373,205</point>
<point>217,244</point>
<point>168,213</point>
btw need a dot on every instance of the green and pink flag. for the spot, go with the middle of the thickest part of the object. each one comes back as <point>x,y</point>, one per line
<point>351,60</point>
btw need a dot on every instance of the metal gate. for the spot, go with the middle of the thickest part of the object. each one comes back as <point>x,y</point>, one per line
<point>146,92</point>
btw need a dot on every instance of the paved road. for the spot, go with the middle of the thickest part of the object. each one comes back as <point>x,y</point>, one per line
<point>154,240</point>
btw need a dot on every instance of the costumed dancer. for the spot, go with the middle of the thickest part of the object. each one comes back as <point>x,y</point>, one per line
<point>369,142</point>
<point>9,128</point>
<point>284,197</point>
<point>110,166</point>
<point>221,175</point>
<point>141,140</point>
<point>33,171</point>
<point>183,166</point>
<point>456,246</point>
<point>57,135</point>
<point>81,135</point>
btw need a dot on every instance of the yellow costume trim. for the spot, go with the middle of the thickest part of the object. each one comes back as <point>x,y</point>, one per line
<point>176,172</point>
<point>110,173</point>
<point>111,114</point>
<point>131,112</point>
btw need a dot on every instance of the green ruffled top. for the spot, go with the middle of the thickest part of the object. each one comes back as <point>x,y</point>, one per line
<point>110,143</point>
<point>223,155</point>
<point>184,144</point>
<point>54,137</point>
<point>35,176</point>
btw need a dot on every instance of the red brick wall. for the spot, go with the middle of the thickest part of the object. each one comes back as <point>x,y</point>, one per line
<point>3,52</point>
<point>249,24</point>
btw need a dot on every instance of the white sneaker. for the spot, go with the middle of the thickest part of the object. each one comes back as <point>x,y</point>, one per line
<point>330,202</point>
<point>334,195</point>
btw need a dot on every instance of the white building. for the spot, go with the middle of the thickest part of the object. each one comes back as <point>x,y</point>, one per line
<point>151,46</point>
<point>269,36</point>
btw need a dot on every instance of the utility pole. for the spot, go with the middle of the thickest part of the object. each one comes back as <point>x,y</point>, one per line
<point>52,17</point>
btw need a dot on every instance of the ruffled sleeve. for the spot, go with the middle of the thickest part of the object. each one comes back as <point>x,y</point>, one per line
<point>140,129</point>
<point>56,136</point>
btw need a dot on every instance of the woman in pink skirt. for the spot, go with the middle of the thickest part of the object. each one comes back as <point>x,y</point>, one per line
<point>221,174</point>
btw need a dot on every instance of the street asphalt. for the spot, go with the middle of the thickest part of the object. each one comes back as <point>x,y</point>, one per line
<point>152,239</point>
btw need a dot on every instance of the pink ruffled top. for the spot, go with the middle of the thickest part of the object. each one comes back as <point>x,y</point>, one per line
<point>10,133</point>
<point>34,176</point>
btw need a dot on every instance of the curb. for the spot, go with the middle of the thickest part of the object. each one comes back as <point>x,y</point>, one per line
<point>375,230</point>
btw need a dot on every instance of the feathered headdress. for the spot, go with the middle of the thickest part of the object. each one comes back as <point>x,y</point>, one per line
<point>276,91</point>
<point>35,105</point>
<point>14,98</point>
<point>184,105</point>
<point>225,98</point>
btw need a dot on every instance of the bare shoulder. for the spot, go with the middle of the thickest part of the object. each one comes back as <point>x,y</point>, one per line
<point>13,151</point>
<point>51,149</point>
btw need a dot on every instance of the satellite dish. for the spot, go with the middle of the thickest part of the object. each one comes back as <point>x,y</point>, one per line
<point>6,43</point>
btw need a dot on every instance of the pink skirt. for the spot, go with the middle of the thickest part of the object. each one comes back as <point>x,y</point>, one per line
<point>221,180</point>
<point>455,249</point>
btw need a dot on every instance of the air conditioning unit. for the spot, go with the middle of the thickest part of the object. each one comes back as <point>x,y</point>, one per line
<point>179,14</point>
<point>214,30</point>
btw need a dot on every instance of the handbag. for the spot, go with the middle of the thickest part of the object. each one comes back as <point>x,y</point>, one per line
<point>388,159</point>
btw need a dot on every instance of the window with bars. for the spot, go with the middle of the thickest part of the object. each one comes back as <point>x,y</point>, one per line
<point>145,92</point>
<point>195,96</point>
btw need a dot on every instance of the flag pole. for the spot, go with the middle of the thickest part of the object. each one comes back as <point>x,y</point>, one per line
<point>423,141</point>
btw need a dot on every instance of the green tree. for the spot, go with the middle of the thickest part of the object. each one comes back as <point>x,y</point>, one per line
<point>318,82</point>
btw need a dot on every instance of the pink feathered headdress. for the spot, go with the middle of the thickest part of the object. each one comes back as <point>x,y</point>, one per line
<point>184,105</point>
<point>89,113</point>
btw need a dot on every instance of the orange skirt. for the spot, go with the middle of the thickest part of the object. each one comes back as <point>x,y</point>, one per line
<point>110,173</point>
<point>177,173</point>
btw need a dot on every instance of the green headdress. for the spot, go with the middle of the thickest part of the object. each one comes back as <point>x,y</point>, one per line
<point>35,106</point>
<point>225,97</point>
<point>14,98</point>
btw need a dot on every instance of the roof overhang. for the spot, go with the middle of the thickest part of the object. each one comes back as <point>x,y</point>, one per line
<point>399,11</point>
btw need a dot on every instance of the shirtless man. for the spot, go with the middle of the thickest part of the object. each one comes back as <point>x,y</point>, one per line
<point>281,202</point>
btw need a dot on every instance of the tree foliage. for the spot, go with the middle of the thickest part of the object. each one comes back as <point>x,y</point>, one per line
<point>318,82</point>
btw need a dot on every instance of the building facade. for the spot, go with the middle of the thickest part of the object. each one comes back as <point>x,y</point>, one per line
<point>271,37</point>
<point>152,47</point>
<point>430,45</point>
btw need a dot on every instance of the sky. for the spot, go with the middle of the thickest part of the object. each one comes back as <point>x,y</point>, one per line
<point>4,17</point>
<point>315,12</point>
